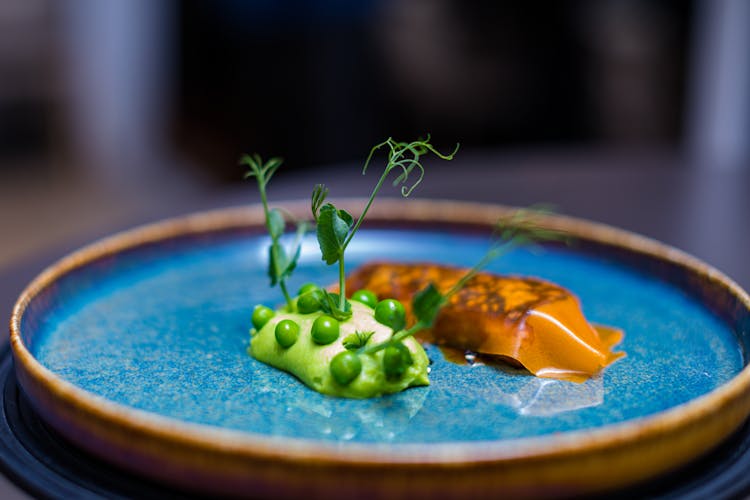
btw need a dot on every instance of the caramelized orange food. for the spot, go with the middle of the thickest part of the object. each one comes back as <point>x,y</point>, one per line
<point>532,322</point>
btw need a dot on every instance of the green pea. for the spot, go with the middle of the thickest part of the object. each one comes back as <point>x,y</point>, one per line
<point>286,332</point>
<point>396,359</point>
<point>365,297</point>
<point>309,302</point>
<point>325,330</point>
<point>390,312</point>
<point>345,367</point>
<point>261,316</point>
<point>307,287</point>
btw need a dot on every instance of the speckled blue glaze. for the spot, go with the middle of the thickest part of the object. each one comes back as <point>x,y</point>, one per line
<point>165,329</point>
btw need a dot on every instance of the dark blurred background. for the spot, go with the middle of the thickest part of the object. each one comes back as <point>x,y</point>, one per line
<point>110,107</point>
<point>321,81</point>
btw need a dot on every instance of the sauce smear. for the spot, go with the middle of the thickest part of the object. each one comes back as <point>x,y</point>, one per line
<point>535,323</point>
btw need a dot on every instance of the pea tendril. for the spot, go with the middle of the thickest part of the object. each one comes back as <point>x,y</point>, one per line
<point>336,227</point>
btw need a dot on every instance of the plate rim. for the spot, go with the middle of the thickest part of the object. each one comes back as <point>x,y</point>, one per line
<point>55,397</point>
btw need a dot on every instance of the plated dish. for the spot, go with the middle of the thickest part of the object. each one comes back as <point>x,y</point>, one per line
<point>135,349</point>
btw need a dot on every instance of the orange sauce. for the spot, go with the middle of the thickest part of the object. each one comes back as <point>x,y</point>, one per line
<point>535,323</point>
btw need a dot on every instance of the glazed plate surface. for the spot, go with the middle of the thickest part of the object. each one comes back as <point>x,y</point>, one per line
<point>155,327</point>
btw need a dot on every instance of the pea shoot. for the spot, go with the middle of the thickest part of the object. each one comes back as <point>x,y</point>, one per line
<point>336,227</point>
<point>519,229</point>
<point>280,262</point>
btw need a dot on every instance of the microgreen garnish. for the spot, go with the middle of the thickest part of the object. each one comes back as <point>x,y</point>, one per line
<point>280,262</point>
<point>330,305</point>
<point>357,340</point>
<point>320,192</point>
<point>337,227</point>
<point>520,228</point>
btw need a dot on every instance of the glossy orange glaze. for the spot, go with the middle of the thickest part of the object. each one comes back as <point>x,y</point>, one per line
<point>533,322</point>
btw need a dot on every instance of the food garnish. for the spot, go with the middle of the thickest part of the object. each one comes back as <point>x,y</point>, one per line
<point>281,262</point>
<point>335,228</point>
<point>361,346</point>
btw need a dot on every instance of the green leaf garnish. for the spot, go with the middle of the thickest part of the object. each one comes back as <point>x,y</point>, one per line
<point>357,340</point>
<point>336,228</point>
<point>426,304</point>
<point>280,265</point>
<point>333,227</point>
<point>320,193</point>
<point>331,306</point>
<point>276,224</point>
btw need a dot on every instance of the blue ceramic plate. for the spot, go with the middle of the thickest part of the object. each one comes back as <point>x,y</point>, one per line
<point>159,324</point>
